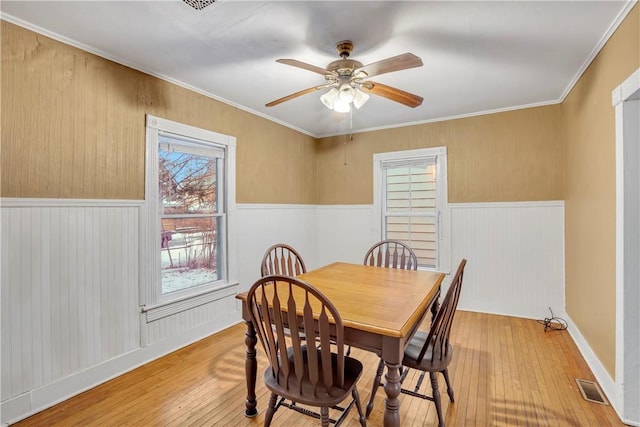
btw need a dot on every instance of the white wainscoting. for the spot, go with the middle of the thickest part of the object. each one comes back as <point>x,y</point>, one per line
<point>70,302</point>
<point>344,233</point>
<point>69,289</point>
<point>260,226</point>
<point>70,315</point>
<point>515,252</point>
<point>219,314</point>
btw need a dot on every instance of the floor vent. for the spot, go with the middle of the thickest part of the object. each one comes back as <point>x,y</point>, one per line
<point>591,392</point>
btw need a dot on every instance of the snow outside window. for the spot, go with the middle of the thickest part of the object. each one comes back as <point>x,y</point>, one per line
<point>189,194</point>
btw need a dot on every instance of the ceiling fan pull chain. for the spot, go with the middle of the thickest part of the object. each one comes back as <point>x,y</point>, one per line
<point>349,136</point>
<point>345,151</point>
<point>351,124</point>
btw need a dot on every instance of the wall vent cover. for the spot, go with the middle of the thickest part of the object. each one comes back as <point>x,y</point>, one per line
<point>199,4</point>
<point>591,391</point>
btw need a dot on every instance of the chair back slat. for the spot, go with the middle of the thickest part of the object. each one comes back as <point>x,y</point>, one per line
<point>267,331</point>
<point>282,259</point>
<point>280,337</point>
<point>325,342</point>
<point>438,337</point>
<point>278,303</point>
<point>296,341</point>
<point>310,333</point>
<point>391,254</point>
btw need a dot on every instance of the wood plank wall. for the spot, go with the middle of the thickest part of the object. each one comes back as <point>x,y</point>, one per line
<point>504,157</point>
<point>73,127</point>
<point>590,179</point>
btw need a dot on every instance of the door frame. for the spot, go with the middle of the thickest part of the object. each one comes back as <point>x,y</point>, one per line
<point>626,100</point>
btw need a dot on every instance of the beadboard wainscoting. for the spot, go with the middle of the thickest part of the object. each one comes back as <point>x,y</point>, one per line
<point>70,301</point>
<point>69,293</point>
<point>515,252</point>
<point>70,281</point>
<point>345,233</point>
<point>516,257</point>
<point>263,225</point>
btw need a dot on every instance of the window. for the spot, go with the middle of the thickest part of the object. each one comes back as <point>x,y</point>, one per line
<point>190,193</point>
<point>410,202</point>
<point>191,209</point>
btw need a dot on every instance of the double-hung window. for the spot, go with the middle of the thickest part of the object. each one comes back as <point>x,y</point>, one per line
<point>410,202</point>
<point>190,193</point>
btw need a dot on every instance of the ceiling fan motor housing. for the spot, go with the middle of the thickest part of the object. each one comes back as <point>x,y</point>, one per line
<point>344,48</point>
<point>344,67</point>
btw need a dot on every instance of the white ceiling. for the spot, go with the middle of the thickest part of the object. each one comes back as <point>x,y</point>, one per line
<point>478,56</point>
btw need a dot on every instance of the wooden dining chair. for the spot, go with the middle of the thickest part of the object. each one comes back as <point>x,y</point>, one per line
<point>432,352</point>
<point>304,372</point>
<point>392,254</point>
<point>282,259</point>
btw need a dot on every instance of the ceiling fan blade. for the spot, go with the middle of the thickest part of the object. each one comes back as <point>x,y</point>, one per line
<point>397,95</point>
<point>304,66</point>
<point>395,63</point>
<point>297,94</point>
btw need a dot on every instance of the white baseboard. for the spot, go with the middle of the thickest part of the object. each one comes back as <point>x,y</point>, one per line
<point>606,382</point>
<point>499,313</point>
<point>34,401</point>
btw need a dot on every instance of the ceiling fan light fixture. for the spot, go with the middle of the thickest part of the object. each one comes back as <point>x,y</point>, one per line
<point>329,98</point>
<point>340,106</point>
<point>334,101</point>
<point>360,98</point>
<point>346,93</point>
<point>345,78</point>
<point>340,100</point>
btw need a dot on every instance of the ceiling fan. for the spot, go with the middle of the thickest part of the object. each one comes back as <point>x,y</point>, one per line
<point>346,78</point>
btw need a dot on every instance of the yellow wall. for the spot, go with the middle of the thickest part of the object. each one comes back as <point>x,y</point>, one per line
<point>73,127</point>
<point>590,190</point>
<point>511,156</point>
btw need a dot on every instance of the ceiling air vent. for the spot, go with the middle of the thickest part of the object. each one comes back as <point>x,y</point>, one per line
<point>591,392</point>
<point>199,4</point>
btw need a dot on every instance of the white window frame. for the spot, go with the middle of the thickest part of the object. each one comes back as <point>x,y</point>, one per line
<point>439,154</point>
<point>153,302</point>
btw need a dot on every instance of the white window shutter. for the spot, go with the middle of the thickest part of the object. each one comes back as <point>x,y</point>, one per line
<point>410,198</point>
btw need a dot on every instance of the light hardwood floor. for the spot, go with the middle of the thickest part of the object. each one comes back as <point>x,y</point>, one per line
<point>506,372</point>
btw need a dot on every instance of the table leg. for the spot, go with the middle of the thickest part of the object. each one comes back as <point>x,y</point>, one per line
<point>392,388</point>
<point>251,369</point>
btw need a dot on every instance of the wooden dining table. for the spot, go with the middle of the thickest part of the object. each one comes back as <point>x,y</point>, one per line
<point>381,308</point>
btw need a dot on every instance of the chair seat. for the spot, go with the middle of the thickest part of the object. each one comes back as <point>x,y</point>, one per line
<point>414,348</point>
<point>323,397</point>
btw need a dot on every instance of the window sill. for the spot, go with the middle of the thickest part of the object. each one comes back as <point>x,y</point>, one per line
<point>159,311</point>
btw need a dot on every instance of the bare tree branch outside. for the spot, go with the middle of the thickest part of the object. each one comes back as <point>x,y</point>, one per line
<point>189,218</point>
